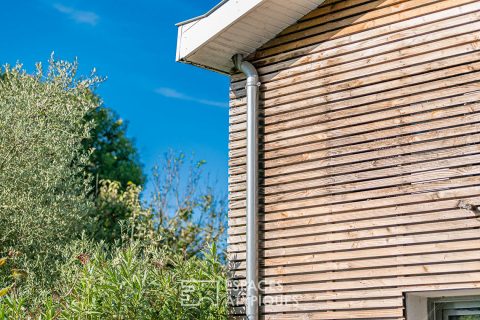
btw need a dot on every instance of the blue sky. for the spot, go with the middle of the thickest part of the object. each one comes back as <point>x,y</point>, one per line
<point>167,104</point>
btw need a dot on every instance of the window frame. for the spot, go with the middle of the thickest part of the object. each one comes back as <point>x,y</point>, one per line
<point>453,306</point>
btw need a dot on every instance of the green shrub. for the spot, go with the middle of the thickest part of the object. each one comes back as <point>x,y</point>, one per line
<point>114,207</point>
<point>131,283</point>
<point>42,191</point>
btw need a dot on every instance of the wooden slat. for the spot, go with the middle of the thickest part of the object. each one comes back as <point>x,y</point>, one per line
<point>367,57</point>
<point>384,97</point>
<point>331,6</point>
<point>417,34</point>
<point>389,20</point>
<point>472,268</point>
<point>367,38</point>
<point>274,222</point>
<point>328,177</point>
<point>308,77</point>
<point>395,266</point>
<point>308,30</point>
<point>371,160</point>
<point>405,141</point>
<point>375,293</point>
<point>354,8</point>
<point>373,273</point>
<point>355,124</point>
<point>330,195</point>
<point>285,174</point>
<point>371,139</point>
<point>380,314</point>
<point>311,228</point>
<point>322,91</point>
<point>292,126</point>
<point>426,258</point>
<point>277,307</point>
<point>369,204</point>
<point>384,178</point>
<point>352,250</point>
<point>357,171</point>
<point>369,103</point>
<point>304,244</point>
<point>240,152</point>
<point>333,305</point>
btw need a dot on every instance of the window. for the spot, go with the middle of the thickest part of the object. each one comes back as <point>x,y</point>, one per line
<point>459,304</point>
<point>454,308</point>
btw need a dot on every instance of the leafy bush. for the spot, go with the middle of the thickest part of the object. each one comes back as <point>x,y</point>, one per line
<point>131,283</point>
<point>114,208</point>
<point>42,191</point>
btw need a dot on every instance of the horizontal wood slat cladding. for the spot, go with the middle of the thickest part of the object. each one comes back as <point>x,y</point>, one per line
<point>369,159</point>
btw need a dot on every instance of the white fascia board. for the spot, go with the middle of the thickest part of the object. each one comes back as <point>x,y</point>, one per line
<point>194,34</point>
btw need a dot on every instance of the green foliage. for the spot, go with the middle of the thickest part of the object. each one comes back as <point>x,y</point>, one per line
<point>113,158</point>
<point>131,282</point>
<point>43,186</point>
<point>114,207</point>
<point>114,155</point>
<point>69,255</point>
<point>183,212</point>
<point>188,213</point>
<point>5,290</point>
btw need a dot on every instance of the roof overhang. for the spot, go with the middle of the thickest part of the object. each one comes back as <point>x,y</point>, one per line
<point>236,26</point>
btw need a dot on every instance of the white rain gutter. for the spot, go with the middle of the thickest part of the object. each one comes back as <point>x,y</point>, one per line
<point>252,89</point>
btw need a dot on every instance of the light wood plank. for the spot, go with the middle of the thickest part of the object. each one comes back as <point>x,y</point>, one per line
<point>399,18</point>
<point>362,249</point>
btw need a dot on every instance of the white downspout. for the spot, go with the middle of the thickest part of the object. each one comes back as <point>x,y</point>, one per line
<point>252,89</point>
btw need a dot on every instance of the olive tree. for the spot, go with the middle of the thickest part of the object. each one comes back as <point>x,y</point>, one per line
<point>43,187</point>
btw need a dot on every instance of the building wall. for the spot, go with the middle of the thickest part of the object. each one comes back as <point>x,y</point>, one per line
<point>370,158</point>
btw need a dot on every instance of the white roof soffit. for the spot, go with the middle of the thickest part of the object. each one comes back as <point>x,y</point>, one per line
<point>236,26</point>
